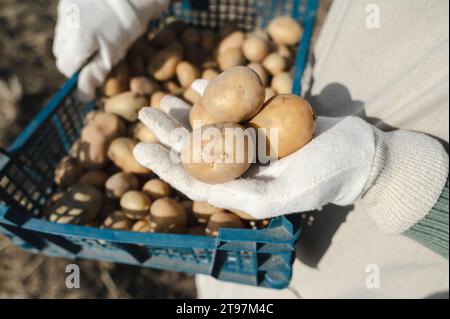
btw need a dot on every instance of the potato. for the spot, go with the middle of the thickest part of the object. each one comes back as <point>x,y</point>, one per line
<point>190,37</point>
<point>187,205</point>
<point>285,53</point>
<point>274,63</point>
<point>135,205</point>
<point>269,93</point>
<point>195,55</point>
<point>197,230</point>
<point>91,148</point>
<point>162,37</point>
<point>155,100</point>
<point>209,74</point>
<point>156,188</point>
<point>172,87</point>
<point>234,95</point>
<point>120,152</point>
<point>126,105</point>
<point>242,215</point>
<point>142,85</point>
<point>231,58</point>
<point>259,69</point>
<point>255,48</point>
<point>109,125</point>
<point>167,216</point>
<point>95,178</point>
<point>79,205</point>
<point>143,134</point>
<point>208,40</point>
<point>186,73</point>
<point>67,172</point>
<point>285,30</point>
<point>162,66</point>
<point>117,80</point>
<point>118,221</point>
<point>95,137</point>
<point>226,162</point>
<point>293,117</point>
<point>142,226</point>
<point>232,41</point>
<point>203,211</point>
<point>282,83</point>
<point>222,220</point>
<point>198,116</point>
<point>120,183</point>
<point>191,96</point>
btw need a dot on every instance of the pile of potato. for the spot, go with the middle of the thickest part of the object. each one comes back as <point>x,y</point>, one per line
<point>100,184</point>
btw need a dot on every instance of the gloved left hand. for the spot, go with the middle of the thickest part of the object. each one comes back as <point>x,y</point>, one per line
<point>109,27</point>
<point>348,159</point>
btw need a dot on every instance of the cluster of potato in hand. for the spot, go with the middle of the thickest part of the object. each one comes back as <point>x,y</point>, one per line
<point>100,184</point>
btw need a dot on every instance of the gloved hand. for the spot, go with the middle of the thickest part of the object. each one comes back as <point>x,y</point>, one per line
<point>342,163</point>
<point>109,27</point>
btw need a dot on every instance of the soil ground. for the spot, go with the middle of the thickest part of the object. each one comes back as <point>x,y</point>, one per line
<point>28,77</point>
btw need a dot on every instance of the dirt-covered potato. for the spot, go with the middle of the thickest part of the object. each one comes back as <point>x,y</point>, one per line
<point>156,188</point>
<point>197,230</point>
<point>155,99</point>
<point>142,226</point>
<point>282,83</point>
<point>209,74</point>
<point>259,69</point>
<point>203,211</point>
<point>120,183</point>
<point>231,58</point>
<point>79,205</point>
<point>293,117</point>
<point>167,216</point>
<point>285,30</point>
<point>232,41</point>
<point>67,172</point>
<point>143,134</point>
<point>162,66</point>
<point>208,40</point>
<point>255,48</point>
<point>186,73</point>
<point>126,105</point>
<point>120,152</point>
<point>117,80</point>
<point>222,220</point>
<point>142,85</point>
<point>190,37</point>
<point>191,96</point>
<point>274,63</point>
<point>96,178</point>
<point>234,95</point>
<point>90,150</point>
<point>109,125</point>
<point>218,157</point>
<point>117,221</point>
<point>173,87</point>
<point>269,93</point>
<point>135,205</point>
<point>198,116</point>
<point>95,137</point>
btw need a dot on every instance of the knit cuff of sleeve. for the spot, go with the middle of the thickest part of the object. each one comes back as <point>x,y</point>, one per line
<point>432,231</point>
<point>408,174</point>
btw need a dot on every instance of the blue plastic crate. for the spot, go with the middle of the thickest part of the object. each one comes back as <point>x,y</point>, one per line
<point>256,257</point>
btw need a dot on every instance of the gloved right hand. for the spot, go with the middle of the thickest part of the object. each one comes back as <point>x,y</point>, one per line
<point>108,27</point>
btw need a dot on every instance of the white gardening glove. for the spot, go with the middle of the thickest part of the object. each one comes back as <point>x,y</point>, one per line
<point>108,27</point>
<point>343,161</point>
